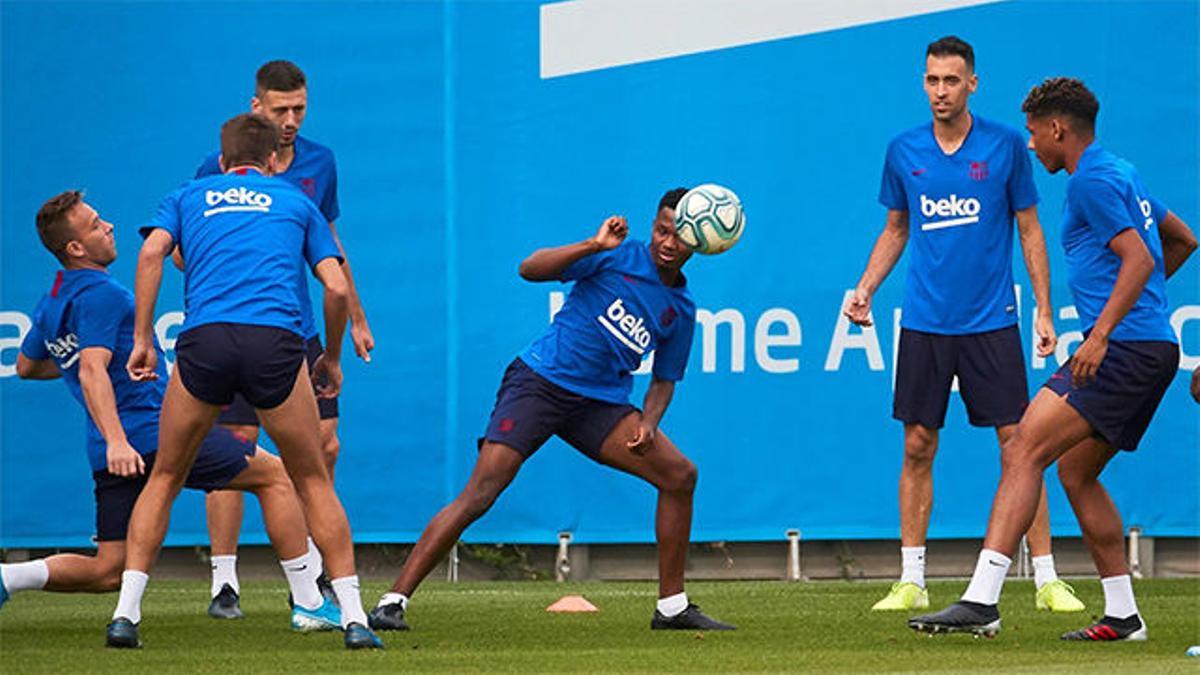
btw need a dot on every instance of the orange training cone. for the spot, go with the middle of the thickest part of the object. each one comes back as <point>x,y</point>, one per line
<point>572,603</point>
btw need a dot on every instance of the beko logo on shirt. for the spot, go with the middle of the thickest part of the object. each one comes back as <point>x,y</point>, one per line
<point>1144,205</point>
<point>62,347</point>
<point>235,200</point>
<point>629,329</point>
<point>952,210</point>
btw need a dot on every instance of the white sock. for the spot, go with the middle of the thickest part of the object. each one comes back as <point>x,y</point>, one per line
<point>672,604</point>
<point>316,556</point>
<point>912,561</point>
<point>1043,570</point>
<point>348,597</point>
<point>988,579</point>
<point>302,576</point>
<point>129,605</point>
<point>25,576</point>
<point>224,571</point>
<point>1118,597</point>
<point>391,598</point>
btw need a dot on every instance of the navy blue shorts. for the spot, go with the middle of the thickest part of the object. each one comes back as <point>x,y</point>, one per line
<point>242,413</point>
<point>991,377</point>
<point>530,409</point>
<point>217,360</point>
<point>1124,392</point>
<point>221,457</point>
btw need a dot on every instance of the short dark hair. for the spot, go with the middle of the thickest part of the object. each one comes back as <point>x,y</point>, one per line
<point>53,226</point>
<point>278,76</point>
<point>952,45</point>
<point>671,198</point>
<point>248,139</point>
<point>1065,96</point>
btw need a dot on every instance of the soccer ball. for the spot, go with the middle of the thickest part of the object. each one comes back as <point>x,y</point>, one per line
<point>709,219</point>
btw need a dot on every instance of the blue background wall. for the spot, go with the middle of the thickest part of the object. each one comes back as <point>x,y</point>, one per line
<point>456,160</point>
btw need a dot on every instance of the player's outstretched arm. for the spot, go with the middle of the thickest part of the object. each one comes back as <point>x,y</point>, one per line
<point>1178,242</point>
<point>1136,266</point>
<point>360,330</point>
<point>36,369</point>
<point>101,403</point>
<point>548,264</point>
<point>654,406</point>
<point>148,280</point>
<point>1033,246</point>
<point>887,250</point>
<point>337,306</point>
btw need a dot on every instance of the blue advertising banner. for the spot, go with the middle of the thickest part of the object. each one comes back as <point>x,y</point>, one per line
<point>468,134</point>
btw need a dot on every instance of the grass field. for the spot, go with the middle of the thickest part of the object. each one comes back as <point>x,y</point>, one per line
<point>502,627</point>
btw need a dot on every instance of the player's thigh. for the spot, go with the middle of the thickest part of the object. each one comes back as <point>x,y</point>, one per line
<point>1049,427</point>
<point>924,372</point>
<point>495,468</point>
<point>991,377</point>
<point>294,427</point>
<point>663,466</point>
<point>1083,462</point>
<point>183,423</point>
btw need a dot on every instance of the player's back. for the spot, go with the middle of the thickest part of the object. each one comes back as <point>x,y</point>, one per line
<point>245,238</point>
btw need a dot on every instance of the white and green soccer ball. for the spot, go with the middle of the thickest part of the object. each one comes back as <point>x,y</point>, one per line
<point>709,219</point>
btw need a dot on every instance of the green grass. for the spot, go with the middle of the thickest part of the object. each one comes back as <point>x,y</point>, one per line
<point>499,627</point>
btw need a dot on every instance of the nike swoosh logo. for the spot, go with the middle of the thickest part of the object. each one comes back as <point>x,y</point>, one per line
<point>993,563</point>
<point>918,172</point>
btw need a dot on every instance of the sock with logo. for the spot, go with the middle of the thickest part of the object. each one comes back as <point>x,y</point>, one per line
<point>302,576</point>
<point>129,604</point>
<point>672,605</point>
<point>391,598</point>
<point>1043,570</point>
<point>912,561</point>
<point>988,579</point>
<point>224,571</point>
<point>348,597</point>
<point>24,576</point>
<point>1118,597</point>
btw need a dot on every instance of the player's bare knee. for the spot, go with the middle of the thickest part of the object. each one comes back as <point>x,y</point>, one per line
<point>1073,477</point>
<point>107,570</point>
<point>920,447</point>
<point>330,448</point>
<point>1022,452</point>
<point>682,478</point>
<point>477,498</point>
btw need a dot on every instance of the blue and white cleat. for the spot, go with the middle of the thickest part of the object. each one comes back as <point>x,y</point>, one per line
<point>122,634</point>
<point>359,636</point>
<point>326,617</point>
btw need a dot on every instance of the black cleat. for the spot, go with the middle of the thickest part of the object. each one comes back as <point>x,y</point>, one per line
<point>961,617</point>
<point>359,636</point>
<point>122,634</point>
<point>225,605</point>
<point>1110,629</point>
<point>689,619</point>
<point>387,617</point>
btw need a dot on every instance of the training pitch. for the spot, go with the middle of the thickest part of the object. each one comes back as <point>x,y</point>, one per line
<point>503,627</point>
